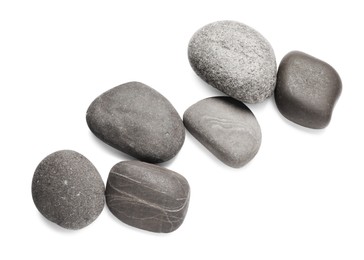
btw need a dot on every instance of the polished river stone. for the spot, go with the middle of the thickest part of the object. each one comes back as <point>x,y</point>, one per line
<point>226,127</point>
<point>137,120</point>
<point>307,90</point>
<point>68,190</point>
<point>147,196</point>
<point>235,59</point>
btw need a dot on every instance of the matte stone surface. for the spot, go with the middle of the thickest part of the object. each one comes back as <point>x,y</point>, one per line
<point>68,190</point>
<point>226,127</point>
<point>235,59</point>
<point>307,90</point>
<point>147,196</point>
<point>137,120</point>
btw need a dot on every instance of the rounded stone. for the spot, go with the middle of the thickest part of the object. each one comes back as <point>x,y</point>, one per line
<point>68,190</point>
<point>147,196</point>
<point>226,127</point>
<point>235,59</point>
<point>307,90</point>
<point>137,120</point>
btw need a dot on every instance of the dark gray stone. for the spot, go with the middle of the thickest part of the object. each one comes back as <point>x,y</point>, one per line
<point>235,59</point>
<point>226,127</point>
<point>68,190</point>
<point>137,120</point>
<point>307,90</point>
<point>147,196</point>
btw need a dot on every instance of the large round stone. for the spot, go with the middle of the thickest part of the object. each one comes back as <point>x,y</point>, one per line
<point>226,127</point>
<point>235,59</point>
<point>147,196</point>
<point>137,120</point>
<point>307,90</point>
<point>68,190</point>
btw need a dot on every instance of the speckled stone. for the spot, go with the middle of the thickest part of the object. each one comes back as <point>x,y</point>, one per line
<point>307,90</point>
<point>137,120</point>
<point>147,196</point>
<point>226,127</point>
<point>235,59</point>
<point>68,190</point>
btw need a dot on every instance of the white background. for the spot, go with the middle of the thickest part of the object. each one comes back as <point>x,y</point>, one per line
<point>302,197</point>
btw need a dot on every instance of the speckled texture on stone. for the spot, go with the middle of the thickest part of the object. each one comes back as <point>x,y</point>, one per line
<point>235,59</point>
<point>226,127</point>
<point>147,196</point>
<point>137,120</point>
<point>68,190</point>
<point>307,90</point>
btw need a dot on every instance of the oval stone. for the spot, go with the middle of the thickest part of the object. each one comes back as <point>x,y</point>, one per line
<point>147,196</point>
<point>235,59</point>
<point>226,127</point>
<point>137,120</point>
<point>68,190</point>
<point>307,90</point>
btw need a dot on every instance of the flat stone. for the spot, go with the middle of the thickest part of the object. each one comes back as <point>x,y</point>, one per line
<point>68,190</point>
<point>307,90</point>
<point>226,127</point>
<point>147,196</point>
<point>137,120</point>
<point>235,59</point>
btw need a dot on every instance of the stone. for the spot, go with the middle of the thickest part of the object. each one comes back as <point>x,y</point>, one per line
<point>226,127</point>
<point>307,90</point>
<point>68,190</point>
<point>235,59</point>
<point>147,196</point>
<point>137,120</point>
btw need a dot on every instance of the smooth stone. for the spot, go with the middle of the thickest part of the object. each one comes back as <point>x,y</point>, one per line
<point>226,127</point>
<point>307,90</point>
<point>68,190</point>
<point>235,59</point>
<point>137,120</point>
<point>147,196</point>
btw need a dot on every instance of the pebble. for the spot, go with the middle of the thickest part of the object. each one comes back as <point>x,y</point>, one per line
<point>307,90</point>
<point>235,59</point>
<point>226,127</point>
<point>137,120</point>
<point>147,196</point>
<point>68,190</point>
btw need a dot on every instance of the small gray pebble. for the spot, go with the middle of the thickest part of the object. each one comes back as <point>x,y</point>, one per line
<point>147,196</point>
<point>235,59</point>
<point>226,127</point>
<point>137,120</point>
<point>307,90</point>
<point>68,190</point>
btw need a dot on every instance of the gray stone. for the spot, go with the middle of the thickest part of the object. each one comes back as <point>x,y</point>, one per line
<point>226,127</point>
<point>137,120</point>
<point>307,90</point>
<point>235,59</point>
<point>147,196</point>
<point>68,190</point>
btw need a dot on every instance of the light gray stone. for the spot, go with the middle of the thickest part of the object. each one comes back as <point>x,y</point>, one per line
<point>226,127</point>
<point>137,120</point>
<point>68,190</point>
<point>235,59</point>
<point>147,196</point>
<point>307,90</point>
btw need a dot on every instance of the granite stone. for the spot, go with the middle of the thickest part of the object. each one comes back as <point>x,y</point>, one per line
<point>147,196</point>
<point>68,190</point>
<point>307,90</point>
<point>235,59</point>
<point>226,127</point>
<point>137,120</point>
